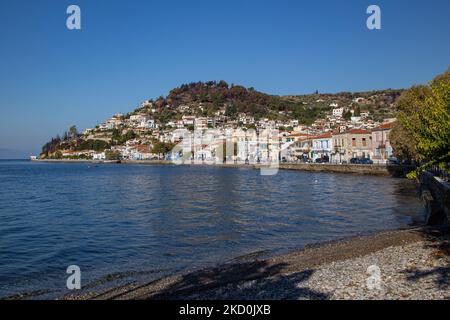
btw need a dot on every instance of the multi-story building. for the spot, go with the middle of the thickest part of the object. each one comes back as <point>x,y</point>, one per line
<point>322,146</point>
<point>338,112</point>
<point>301,148</point>
<point>355,143</point>
<point>201,123</point>
<point>381,146</point>
<point>188,120</point>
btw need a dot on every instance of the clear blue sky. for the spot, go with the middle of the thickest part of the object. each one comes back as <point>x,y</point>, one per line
<point>128,51</point>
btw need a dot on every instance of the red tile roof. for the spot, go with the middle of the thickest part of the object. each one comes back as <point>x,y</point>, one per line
<point>324,136</point>
<point>298,135</point>
<point>385,126</point>
<point>358,131</point>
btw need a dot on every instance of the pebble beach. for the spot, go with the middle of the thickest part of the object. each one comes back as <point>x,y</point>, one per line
<point>405,265</point>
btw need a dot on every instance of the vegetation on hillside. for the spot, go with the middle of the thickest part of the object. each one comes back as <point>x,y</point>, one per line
<point>213,96</point>
<point>73,141</point>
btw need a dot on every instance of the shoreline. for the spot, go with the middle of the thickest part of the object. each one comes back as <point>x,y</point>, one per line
<point>413,263</point>
<point>375,170</point>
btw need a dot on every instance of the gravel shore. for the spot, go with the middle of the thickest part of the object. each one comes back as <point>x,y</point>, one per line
<point>409,264</point>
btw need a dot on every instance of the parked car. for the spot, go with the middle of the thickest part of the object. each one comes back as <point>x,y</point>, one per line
<point>394,161</point>
<point>365,161</point>
<point>324,159</point>
<point>361,161</point>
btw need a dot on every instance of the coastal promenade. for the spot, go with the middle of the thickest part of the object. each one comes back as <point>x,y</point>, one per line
<point>375,169</point>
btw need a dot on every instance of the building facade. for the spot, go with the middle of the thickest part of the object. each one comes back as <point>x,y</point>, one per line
<point>381,146</point>
<point>322,146</point>
<point>355,143</point>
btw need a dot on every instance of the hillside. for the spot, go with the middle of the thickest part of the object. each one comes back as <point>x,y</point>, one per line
<point>218,104</point>
<point>208,98</point>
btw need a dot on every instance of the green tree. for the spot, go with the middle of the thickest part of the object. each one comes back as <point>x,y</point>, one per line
<point>119,139</point>
<point>231,111</point>
<point>218,100</point>
<point>112,155</point>
<point>162,148</point>
<point>96,145</point>
<point>428,122</point>
<point>73,132</point>
<point>347,115</point>
<point>403,143</point>
<point>408,105</point>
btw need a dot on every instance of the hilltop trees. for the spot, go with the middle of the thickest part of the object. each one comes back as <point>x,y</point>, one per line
<point>423,132</point>
<point>213,96</point>
<point>73,132</point>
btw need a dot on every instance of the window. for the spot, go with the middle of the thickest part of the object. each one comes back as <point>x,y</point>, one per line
<point>354,142</point>
<point>364,142</point>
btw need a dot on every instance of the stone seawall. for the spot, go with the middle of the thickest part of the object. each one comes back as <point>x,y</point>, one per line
<point>75,161</point>
<point>339,168</point>
<point>378,170</point>
<point>436,197</point>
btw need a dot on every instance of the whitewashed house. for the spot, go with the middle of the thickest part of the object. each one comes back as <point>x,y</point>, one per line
<point>338,112</point>
<point>322,146</point>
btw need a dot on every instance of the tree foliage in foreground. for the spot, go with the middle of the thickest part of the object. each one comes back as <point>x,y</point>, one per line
<point>424,114</point>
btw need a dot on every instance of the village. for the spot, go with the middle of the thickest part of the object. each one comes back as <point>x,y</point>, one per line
<point>345,135</point>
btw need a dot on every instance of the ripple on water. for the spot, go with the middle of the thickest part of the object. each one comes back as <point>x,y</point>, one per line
<point>125,222</point>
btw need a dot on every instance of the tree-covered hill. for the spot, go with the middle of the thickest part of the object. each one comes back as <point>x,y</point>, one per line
<point>207,98</point>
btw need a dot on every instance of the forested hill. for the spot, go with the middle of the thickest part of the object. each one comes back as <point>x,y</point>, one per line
<point>207,98</point>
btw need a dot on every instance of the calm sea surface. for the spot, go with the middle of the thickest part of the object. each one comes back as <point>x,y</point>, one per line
<point>123,223</point>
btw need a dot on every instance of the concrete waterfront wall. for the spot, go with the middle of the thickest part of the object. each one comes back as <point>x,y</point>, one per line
<point>436,196</point>
<point>380,170</point>
<point>339,168</point>
<point>74,161</point>
<point>314,167</point>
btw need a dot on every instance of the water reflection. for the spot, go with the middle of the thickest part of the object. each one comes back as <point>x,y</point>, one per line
<point>112,218</point>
